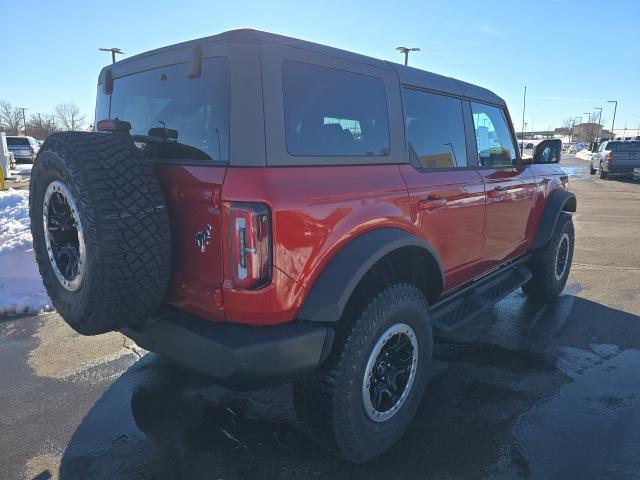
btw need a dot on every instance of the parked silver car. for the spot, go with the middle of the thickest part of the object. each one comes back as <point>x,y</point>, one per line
<point>616,156</point>
<point>24,149</point>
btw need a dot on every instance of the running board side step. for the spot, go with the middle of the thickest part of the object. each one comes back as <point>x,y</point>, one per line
<point>470,301</point>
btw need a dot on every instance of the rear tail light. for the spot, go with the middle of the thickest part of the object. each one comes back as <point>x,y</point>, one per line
<point>609,157</point>
<point>250,245</point>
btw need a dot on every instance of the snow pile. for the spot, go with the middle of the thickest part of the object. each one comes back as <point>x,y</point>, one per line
<point>21,289</point>
<point>23,169</point>
<point>584,154</point>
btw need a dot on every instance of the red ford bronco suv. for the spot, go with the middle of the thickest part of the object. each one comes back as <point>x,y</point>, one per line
<point>266,210</point>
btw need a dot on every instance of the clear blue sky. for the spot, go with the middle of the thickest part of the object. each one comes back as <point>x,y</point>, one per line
<point>573,55</point>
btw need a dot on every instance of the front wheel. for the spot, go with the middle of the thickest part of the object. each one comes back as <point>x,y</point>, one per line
<point>363,398</point>
<point>551,264</point>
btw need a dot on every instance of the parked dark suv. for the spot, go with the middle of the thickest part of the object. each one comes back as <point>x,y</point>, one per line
<point>266,210</point>
<point>24,149</point>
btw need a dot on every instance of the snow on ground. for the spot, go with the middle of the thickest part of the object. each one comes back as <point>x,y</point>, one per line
<point>21,289</point>
<point>584,154</point>
<point>22,169</point>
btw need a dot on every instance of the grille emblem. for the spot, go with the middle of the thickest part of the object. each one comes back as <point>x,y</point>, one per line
<point>203,238</point>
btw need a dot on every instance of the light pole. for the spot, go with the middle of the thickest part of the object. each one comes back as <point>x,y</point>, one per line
<point>113,51</point>
<point>599,118</point>
<point>524,108</point>
<point>405,51</point>
<point>613,122</point>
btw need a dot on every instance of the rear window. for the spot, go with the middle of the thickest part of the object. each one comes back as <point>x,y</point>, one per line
<point>331,112</point>
<point>18,141</point>
<point>623,146</point>
<point>196,108</point>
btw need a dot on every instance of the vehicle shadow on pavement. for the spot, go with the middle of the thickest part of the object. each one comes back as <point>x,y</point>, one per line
<point>158,420</point>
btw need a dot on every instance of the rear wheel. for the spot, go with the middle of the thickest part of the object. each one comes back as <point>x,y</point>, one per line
<point>551,264</point>
<point>363,398</point>
<point>601,173</point>
<point>100,231</point>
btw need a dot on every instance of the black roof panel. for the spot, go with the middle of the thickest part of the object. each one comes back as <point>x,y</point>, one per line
<point>406,75</point>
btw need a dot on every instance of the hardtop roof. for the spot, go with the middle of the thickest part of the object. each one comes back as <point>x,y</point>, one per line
<point>406,75</point>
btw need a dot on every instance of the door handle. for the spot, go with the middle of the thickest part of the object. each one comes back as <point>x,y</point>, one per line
<point>432,202</point>
<point>500,188</point>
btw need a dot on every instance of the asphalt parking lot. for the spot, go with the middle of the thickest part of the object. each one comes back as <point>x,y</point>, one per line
<point>526,391</point>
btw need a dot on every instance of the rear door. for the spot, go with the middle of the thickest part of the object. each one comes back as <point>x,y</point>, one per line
<point>510,187</point>
<point>181,117</point>
<point>445,189</point>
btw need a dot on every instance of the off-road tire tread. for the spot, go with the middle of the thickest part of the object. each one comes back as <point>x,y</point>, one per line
<point>125,222</point>
<point>543,284</point>
<point>318,399</point>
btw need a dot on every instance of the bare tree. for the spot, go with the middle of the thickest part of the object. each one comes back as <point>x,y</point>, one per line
<point>69,117</point>
<point>10,117</point>
<point>567,122</point>
<point>41,126</point>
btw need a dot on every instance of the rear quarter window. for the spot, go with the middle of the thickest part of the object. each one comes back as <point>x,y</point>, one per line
<point>331,112</point>
<point>196,108</point>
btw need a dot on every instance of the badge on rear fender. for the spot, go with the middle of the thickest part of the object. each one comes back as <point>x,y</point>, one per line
<point>203,238</point>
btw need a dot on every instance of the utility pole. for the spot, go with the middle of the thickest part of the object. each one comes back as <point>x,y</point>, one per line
<point>599,118</point>
<point>573,125</point>
<point>405,51</point>
<point>24,118</point>
<point>113,51</point>
<point>588,124</point>
<point>524,108</point>
<point>613,122</point>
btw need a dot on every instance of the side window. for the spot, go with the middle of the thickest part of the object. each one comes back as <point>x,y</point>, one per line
<point>493,137</point>
<point>603,147</point>
<point>331,112</point>
<point>434,129</point>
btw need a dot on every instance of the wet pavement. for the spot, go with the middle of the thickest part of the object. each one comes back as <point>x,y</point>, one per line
<point>526,391</point>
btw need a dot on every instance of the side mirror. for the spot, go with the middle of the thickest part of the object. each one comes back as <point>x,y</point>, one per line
<point>548,151</point>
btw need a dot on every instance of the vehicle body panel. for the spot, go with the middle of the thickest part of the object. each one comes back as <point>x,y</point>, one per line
<point>450,201</point>
<point>510,197</point>
<point>193,195</point>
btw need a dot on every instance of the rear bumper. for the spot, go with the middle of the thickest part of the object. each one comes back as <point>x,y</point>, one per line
<point>613,168</point>
<point>237,356</point>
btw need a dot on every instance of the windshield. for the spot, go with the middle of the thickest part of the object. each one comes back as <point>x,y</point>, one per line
<point>196,108</point>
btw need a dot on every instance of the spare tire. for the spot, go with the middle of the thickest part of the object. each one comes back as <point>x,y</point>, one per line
<point>100,231</point>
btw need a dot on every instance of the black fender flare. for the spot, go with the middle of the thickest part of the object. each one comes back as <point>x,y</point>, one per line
<point>558,201</point>
<point>333,288</point>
